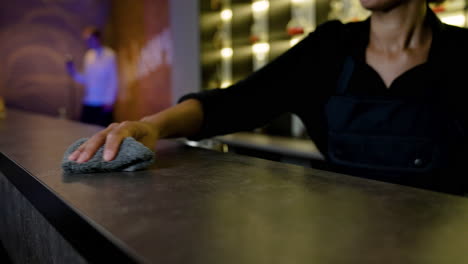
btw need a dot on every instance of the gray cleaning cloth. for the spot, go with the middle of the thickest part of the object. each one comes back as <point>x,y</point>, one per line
<point>132,156</point>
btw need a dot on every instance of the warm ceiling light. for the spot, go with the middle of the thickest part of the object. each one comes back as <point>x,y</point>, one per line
<point>455,20</point>
<point>294,41</point>
<point>226,14</point>
<point>226,84</point>
<point>260,6</point>
<point>226,52</point>
<point>260,48</point>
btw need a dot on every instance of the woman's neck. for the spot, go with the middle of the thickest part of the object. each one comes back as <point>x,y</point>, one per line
<point>401,28</point>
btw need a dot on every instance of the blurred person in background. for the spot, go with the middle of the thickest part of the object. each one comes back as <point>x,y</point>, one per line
<point>383,98</point>
<point>99,77</point>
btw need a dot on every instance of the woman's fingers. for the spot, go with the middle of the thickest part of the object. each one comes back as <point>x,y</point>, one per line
<point>87,150</point>
<point>114,139</point>
<point>74,156</point>
<point>91,146</point>
<point>111,138</point>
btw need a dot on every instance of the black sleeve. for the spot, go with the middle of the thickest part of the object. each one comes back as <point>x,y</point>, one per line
<point>275,89</point>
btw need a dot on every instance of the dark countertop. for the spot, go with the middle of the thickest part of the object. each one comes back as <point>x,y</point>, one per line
<point>201,206</point>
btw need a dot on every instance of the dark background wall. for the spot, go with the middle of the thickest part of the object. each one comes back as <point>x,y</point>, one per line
<point>35,36</point>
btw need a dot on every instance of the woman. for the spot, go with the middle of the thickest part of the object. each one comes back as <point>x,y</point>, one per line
<point>380,98</point>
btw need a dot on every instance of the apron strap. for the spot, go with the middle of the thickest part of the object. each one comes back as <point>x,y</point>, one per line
<point>345,76</point>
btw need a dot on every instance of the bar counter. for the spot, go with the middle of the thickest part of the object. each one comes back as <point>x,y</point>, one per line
<point>200,206</point>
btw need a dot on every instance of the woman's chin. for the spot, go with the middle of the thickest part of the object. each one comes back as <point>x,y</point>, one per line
<point>380,5</point>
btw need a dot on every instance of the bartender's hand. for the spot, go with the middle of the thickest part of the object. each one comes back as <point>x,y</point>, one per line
<point>113,136</point>
<point>181,120</point>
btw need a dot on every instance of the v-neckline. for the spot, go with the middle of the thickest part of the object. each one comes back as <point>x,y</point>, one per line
<point>398,78</point>
<point>435,25</point>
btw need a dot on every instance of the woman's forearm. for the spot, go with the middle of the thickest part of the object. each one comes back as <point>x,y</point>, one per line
<point>182,120</point>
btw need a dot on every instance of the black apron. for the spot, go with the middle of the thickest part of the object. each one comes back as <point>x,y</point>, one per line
<point>407,140</point>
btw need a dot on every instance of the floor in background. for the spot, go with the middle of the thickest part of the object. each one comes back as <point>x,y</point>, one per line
<point>3,256</point>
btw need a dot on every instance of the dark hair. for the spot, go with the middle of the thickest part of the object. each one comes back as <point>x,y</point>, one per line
<point>96,33</point>
<point>92,32</point>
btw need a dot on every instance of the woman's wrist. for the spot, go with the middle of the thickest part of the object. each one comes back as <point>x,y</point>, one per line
<point>181,120</point>
<point>154,124</point>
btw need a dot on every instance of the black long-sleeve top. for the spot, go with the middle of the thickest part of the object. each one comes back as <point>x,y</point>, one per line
<point>302,79</point>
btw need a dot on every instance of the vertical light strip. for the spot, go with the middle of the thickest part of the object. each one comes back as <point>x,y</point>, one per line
<point>226,51</point>
<point>261,48</point>
<point>303,20</point>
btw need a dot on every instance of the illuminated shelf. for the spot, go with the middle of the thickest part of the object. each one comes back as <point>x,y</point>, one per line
<point>451,12</point>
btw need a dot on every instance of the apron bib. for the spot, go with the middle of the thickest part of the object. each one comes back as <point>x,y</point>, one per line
<point>395,135</point>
